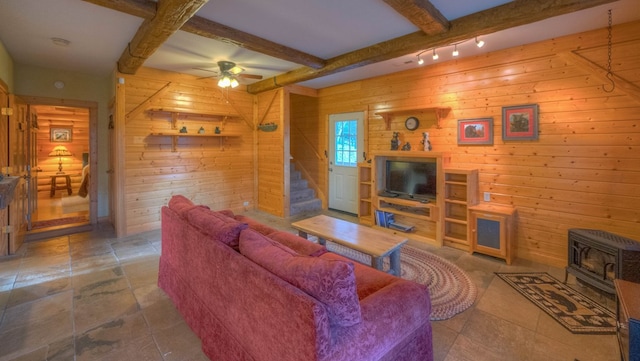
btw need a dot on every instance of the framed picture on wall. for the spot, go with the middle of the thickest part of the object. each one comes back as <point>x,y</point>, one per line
<point>520,122</point>
<point>475,131</point>
<point>61,134</point>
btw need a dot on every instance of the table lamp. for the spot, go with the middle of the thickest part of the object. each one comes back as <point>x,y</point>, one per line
<point>60,151</point>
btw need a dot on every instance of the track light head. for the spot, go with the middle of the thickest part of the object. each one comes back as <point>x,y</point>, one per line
<point>479,43</point>
<point>435,55</point>
<point>455,50</point>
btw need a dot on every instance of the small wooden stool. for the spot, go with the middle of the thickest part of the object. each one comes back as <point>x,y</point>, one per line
<point>55,187</point>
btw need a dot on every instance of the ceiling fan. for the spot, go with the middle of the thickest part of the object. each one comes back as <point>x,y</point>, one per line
<point>228,73</point>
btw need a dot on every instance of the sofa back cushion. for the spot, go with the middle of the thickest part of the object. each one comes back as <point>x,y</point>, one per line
<point>331,282</point>
<point>298,244</point>
<point>219,227</point>
<point>181,205</point>
<point>255,225</point>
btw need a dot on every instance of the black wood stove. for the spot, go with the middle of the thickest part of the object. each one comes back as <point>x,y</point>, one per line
<point>598,257</point>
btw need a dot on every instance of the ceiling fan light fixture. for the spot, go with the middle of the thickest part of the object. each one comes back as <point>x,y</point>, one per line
<point>224,82</point>
<point>234,82</point>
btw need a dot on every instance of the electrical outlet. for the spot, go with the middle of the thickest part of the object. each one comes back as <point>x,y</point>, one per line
<point>246,204</point>
<point>487,196</point>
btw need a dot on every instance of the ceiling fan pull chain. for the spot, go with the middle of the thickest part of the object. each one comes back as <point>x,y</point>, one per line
<point>609,73</point>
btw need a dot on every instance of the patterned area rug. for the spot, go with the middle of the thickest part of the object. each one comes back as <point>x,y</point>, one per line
<point>58,222</point>
<point>450,288</point>
<point>576,312</point>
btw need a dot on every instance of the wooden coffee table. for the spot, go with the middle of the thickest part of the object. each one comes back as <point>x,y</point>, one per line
<point>375,243</point>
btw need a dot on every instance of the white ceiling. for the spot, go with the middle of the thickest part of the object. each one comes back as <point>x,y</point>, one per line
<point>324,28</point>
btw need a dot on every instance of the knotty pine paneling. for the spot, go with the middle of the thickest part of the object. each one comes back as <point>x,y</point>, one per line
<point>215,171</point>
<point>583,171</point>
<point>271,154</point>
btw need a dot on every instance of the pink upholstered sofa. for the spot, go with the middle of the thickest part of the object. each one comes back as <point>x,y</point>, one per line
<point>251,292</point>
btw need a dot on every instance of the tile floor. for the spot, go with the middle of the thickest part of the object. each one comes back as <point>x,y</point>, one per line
<point>90,296</point>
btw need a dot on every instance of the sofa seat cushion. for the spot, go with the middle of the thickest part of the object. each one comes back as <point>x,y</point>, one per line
<point>219,227</point>
<point>298,244</point>
<point>332,282</point>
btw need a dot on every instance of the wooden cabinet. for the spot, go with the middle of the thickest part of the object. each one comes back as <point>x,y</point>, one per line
<point>493,231</point>
<point>628,312</point>
<point>460,192</point>
<point>424,218</point>
<point>365,189</point>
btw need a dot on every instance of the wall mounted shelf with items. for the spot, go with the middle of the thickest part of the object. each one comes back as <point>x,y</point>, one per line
<point>192,115</point>
<point>460,192</point>
<point>176,135</point>
<point>421,113</point>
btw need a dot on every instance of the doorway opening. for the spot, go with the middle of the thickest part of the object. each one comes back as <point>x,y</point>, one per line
<point>59,150</point>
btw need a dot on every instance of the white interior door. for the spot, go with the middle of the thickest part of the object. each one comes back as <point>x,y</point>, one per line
<point>346,142</point>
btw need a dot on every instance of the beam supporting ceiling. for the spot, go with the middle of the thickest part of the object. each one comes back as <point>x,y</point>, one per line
<point>200,26</point>
<point>422,14</point>
<point>512,14</point>
<point>169,18</point>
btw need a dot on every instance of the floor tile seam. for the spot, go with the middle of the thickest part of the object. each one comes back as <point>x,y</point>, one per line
<point>498,350</point>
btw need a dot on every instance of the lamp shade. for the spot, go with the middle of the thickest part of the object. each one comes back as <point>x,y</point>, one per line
<point>60,151</point>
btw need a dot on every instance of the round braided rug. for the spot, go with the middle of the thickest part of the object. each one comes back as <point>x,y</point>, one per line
<point>450,288</point>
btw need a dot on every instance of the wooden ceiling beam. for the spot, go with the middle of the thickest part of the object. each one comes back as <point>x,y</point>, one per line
<point>422,14</point>
<point>512,14</point>
<point>169,18</point>
<point>216,31</point>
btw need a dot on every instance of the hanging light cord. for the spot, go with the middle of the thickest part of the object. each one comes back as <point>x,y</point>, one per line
<point>609,73</point>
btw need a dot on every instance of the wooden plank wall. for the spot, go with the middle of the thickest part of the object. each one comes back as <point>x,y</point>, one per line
<point>584,171</point>
<point>214,171</point>
<point>78,120</point>
<point>271,188</point>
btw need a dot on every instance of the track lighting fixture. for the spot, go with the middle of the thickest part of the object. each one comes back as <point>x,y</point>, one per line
<point>454,53</point>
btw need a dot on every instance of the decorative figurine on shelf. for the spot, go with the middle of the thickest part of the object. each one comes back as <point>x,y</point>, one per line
<point>201,130</point>
<point>183,129</point>
<point>395,143</point>
<point>406,146</point>
<point>217,131</point>
<point>425,141</point>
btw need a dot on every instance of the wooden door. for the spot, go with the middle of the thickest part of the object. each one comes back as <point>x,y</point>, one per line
<point>18,161</point>
<point>4,163</point>
<point>32,165</point>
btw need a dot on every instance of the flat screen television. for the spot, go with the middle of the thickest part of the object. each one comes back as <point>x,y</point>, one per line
<point>411,179</point>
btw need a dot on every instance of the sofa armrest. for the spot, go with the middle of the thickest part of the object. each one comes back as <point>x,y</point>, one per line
<point>389,315</point>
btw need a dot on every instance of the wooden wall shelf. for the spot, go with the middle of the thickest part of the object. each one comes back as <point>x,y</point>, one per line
<point>387,115</point>
<point>175,136</point>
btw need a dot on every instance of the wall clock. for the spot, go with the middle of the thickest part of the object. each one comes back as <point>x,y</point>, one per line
<point>412,123</point>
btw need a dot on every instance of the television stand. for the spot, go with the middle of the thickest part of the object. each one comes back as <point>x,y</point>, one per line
<point>407,207</point>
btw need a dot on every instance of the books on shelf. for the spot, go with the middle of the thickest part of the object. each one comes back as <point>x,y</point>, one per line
<point>386,220</point>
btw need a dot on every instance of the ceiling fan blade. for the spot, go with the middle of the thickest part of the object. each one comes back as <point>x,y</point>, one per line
<point>250,76</point>
<point>208,70</point>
